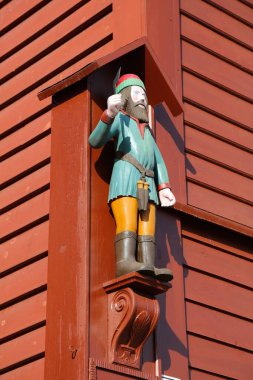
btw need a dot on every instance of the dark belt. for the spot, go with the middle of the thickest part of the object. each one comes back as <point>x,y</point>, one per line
<point>129,158</point>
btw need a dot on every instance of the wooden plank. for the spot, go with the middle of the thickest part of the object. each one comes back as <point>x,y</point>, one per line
<point>29,104</point>
<point>216,43</point>
<point>217,126</point>
<point>217,70</point>
<point>31,371</point>
<point>24,280</point>
<point>23,347</point>
<point>27,185</point>
<point>58,57</point>
<point>219,204</point>
<point>25,134</point>
<point>228,244</point>
<point>219,151</point>
<point>21,110</point>
<point>35,24</point>
<point>217,358</point>
<point>30,312</point>
<point>25,214</point>
<point>24,246</point>
<point>25,159</point>
<point>16,9</point>
<point>199,375</point>
<point>237,8</point>
<point>218,294</point>
<point>219,326</point>
<point>55,34</point>
<point>219,20</point>
<point>217,262</point>
<point>217,100</point>
<point>218,177</point>
<point>69,238</point>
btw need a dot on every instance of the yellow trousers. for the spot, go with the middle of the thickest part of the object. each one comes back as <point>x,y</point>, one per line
<point>127,217</point>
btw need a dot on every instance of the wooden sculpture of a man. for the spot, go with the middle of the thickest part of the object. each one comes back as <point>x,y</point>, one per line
<point>138,173</point>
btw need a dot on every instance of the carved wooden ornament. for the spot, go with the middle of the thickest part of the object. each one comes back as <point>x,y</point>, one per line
<point>132,316</point>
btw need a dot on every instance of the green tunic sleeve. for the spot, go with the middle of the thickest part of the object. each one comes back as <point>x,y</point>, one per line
<point>161,174</point>
<point>103,133</point>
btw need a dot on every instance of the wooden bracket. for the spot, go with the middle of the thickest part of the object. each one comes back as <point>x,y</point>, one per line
<point>133,313</point>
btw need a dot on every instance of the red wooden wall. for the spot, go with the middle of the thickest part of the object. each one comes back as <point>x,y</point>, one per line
<point>43,41</point>
<point>217,43</point>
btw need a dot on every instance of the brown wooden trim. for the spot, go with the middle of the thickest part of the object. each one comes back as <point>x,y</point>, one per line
<point>214,29</point>
<point>217,55</point>
<point>217,84</point>
<point>214,219</point>
<point>68,266</point>
<point>150,57</point>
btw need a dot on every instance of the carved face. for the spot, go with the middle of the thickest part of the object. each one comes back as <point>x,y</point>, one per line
<point>136,102</point>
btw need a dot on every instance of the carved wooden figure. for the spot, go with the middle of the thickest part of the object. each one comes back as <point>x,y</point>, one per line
<point>138,172</point>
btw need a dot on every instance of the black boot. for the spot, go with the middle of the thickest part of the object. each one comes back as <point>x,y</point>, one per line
<point>125,247</point>
<point>146,255</point>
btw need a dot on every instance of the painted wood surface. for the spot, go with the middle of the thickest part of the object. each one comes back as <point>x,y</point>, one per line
<point>42,42</point>
<point>217,89</point>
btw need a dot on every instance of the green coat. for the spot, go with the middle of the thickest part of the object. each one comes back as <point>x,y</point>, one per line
<point>128,139</point>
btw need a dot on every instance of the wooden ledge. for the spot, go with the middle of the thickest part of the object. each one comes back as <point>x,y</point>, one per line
<point>156,77</point>
<point>136,281</point>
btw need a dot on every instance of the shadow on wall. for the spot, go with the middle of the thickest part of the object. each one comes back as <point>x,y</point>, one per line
<point>170,254</point>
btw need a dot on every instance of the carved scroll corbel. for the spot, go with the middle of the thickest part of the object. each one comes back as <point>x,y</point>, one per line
<point>133,313</point>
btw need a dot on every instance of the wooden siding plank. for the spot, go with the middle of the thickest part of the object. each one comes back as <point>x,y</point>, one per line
<point>199,375</point>
<point>25,214</point>
<point>24,280</point>
<point>219,359</point>
<point>219,204</point>
<point>218,294</point>
<point>56,58</point>
<point>24,246</point>
<point>31,371</point>
<point>232,246</point>
<point>28,105</point>
<point>30,312</point>
<point>23,347</point>
<point>217,70</point>
<point>25,134</point>
<point>16,9</point>
<point>217,126</point>
<point>23,188</point>
<point>25,159</point>
<point>21,110</point>
<point>237,8</point>
<point>218,150</point>
<point>217,100</point>
<point>55,35</point>
<point>220,178</point>
<point>219,20</point>
<point>219,326</point>
<point>214,42</point>
<point>35,24</point>
<point>218,263</point>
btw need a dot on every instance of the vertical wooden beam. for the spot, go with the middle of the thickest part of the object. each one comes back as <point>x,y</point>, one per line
<point>68,268</point>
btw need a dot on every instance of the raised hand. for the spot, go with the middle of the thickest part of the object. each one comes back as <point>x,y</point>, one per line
<point>166,197</point>
<point>114,105</point>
